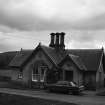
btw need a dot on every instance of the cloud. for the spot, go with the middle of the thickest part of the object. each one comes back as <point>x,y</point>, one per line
<point>15,40</point>
<point>25,23</point>
<point>85,39</point>
<point>52,14</point>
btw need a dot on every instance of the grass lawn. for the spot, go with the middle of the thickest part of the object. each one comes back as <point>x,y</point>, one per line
<point>7,99</point>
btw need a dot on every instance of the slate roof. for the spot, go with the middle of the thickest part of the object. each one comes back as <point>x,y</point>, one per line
<point>58,55</point>
<point>55,55</point>
<point>20,58</point>
<point>84,58</point>
<point>90,57</point>
<point>77,60</point>
<point>5,59</point>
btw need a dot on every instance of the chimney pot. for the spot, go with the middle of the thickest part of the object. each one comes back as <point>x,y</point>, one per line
<point>52,44</point>
<point>57,40</point>
<point>62,45</point>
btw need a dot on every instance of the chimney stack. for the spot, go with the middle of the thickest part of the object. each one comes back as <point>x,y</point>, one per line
<point>57,40</point>
<point>52,43</point>
<point>62,45</point>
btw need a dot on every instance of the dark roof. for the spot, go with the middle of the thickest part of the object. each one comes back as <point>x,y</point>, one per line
<point>90,57</point>
<point>77,60</point>
<point>55,55</point>
<point>5,59</point>
<point>20,58</point>
<point>84,58</point>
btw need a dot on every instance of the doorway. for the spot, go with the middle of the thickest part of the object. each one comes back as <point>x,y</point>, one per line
<point>69,75</point>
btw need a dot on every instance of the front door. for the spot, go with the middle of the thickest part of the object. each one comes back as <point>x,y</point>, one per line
<point>69,75</point>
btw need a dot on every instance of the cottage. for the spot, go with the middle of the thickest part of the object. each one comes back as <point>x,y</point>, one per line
<point>48,64</point>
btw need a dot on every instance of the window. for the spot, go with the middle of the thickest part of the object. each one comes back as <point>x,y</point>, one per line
<point>20,75</point>
<point>43,73</point>
<point>35,74</point>
<point>39,73</point>
<point>35,77</point>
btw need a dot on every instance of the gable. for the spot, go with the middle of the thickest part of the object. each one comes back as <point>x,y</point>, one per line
<point>68,65</point>
<point>72,59</point>
<point>41,56</point>
<point>55,56</point>
<point>90,57</point>
<point>24,56</point>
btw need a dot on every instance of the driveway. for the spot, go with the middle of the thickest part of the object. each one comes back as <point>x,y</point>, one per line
<point>88,99</point>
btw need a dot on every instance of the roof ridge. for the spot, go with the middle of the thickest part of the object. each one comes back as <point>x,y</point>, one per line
<point>83,49</point>
<point>27,49</point>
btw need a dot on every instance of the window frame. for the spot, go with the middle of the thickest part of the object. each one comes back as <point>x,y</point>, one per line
<point>41,76</point>
<point>20,75</point>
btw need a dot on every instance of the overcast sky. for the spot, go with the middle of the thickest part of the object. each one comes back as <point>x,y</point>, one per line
<point>25,23</point>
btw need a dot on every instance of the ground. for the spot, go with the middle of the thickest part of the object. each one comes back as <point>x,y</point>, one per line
<point>8,99</point>
<point>89,97</point>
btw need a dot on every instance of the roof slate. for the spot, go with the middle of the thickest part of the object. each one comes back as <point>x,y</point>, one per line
<point>55,55</point>
<point>90,57</point>
<point>77,60</point>
<point>5,59</point>
<point>20,58</point>
<point>84,58</point>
